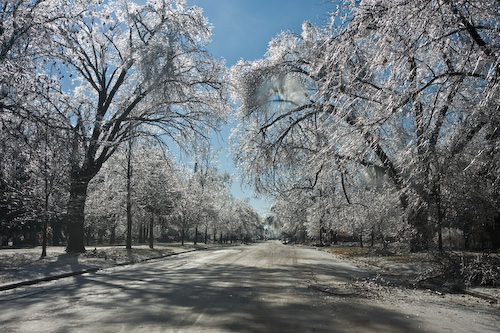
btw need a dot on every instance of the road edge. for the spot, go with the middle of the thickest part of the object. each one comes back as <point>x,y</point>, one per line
<point>14,285</point>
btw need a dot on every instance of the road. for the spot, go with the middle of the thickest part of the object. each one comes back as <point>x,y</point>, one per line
<point>265,287</point>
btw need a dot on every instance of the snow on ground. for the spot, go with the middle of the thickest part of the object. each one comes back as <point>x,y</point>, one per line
<point>26,264</point>
<point>385,283</point>
<point>413,271</point>
<point>18,265</point>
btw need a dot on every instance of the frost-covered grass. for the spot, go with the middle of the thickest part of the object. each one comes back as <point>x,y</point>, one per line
<point>449,270</point>
<point>26,264</point>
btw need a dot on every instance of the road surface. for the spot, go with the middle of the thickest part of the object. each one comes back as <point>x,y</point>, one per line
<point>265,287</point>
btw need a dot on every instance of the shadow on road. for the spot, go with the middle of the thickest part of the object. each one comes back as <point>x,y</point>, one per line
<point>214,297</point>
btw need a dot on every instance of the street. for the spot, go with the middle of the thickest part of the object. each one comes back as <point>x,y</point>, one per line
<point>264,287</point>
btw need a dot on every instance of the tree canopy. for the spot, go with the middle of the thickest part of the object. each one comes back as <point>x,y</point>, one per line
<point>407,89</point>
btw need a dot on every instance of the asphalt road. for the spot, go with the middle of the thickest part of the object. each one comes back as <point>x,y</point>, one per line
<point>265,287</point>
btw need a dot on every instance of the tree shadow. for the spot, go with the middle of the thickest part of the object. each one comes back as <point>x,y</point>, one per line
<point>184,295</point>
<point>232,298</point>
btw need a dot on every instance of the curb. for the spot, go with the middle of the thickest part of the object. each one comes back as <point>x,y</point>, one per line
<point>14,285</point>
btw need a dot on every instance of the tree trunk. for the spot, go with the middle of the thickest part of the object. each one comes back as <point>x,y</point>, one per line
<point>151,233</point>
<point>196,235</point>
<point>333,237</point>
<point>76,215</point>
<point>440,235</point>
<point>112,237</point>
<point>129,192</point>
<point>47,195</point>
<point>206,234</point>
<point>45,219</point>
<point>422,235</point>
<point>437,198</point>
<point>100,236</point>
<point>141,234</point>
<point>129,198</point>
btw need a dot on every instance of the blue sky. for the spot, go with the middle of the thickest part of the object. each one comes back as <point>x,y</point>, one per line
<point>242,29</point>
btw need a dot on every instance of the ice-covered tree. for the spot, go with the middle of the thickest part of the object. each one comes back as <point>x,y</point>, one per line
<point>34,176</point>
<point>25,27</point>
<point>151,193</point>
<point>403,87</point>
<point>416,83</point>
<point>118,65</point>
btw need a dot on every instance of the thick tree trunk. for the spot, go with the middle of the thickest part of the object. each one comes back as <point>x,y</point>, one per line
<point>422,234</point>
<point>76,215</point>
<point>129,227</point>
<point>196,235</point>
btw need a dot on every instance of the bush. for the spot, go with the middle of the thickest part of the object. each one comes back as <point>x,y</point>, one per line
<point>482,270</point>
<point>467,270</point>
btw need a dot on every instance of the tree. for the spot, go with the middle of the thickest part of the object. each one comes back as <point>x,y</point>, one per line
<point>249,223</point>
<point>25,26</point>
<point>114,197</point>
<point>416,92</point>
<point>33,177</point>
<point>49,151</point>
<point>156,187</point>
<point>129,193</point>
<point>119,66</point>
<point>16,190</point>
<point>186,211</point>
<point>210,189</point>
<point>404,88</point>
<point>106,202</point>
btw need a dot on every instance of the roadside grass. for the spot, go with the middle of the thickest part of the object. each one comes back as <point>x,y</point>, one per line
<point>26,264</point>
<point>348,250</point>
<point>447,270</point>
